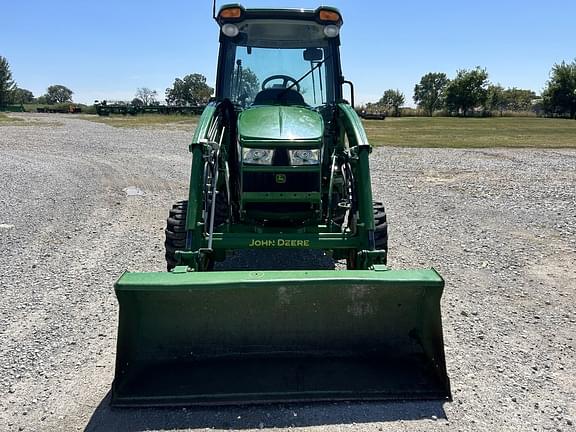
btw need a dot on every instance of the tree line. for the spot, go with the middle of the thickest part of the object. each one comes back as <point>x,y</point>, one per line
<point>471,93</point>
<point>190,90</point>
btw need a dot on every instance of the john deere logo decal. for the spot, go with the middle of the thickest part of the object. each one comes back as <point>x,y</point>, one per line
<point>279,243</point>
<point>280,178</point>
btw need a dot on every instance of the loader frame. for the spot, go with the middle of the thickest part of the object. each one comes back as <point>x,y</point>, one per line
<point>241,236</point>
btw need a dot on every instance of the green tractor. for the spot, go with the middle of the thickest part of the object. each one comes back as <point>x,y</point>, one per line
<point>279,161</point>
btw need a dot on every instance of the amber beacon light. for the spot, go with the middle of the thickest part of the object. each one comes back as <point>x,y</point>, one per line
<point>231,13</point>
<point>328,15</point>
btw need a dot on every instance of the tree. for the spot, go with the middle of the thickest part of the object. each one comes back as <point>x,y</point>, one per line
<point>392,99</point>
<point>58,94</point>
<point>7,85</point>
<point>559,97</point>
<point>137,102</point>
<point>511,99</point>
<point>519,99</point>
<point>372,108</point>
<point>42,100</point>
<point>495,99</point>
<point>22,96</point>
<point>190,90</point>
<point>467,91</point>
<point>147,96</point>
<point>248,87</point>
<point>429,93</point>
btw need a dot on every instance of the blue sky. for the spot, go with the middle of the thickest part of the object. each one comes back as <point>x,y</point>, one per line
<point>107,49</point>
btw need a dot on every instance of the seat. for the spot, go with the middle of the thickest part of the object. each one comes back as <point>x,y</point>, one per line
<point>274,96</point>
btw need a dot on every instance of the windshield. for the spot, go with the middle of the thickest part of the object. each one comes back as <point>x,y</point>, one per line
<point>296,69</point>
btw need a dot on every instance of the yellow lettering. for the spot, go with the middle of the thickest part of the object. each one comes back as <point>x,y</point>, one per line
<point>266,243</point>
<point>279,243</point>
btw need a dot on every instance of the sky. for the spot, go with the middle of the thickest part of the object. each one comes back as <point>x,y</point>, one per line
<point>108,49</point>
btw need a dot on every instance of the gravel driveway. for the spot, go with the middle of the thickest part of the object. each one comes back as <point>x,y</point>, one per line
<point>499,225</point>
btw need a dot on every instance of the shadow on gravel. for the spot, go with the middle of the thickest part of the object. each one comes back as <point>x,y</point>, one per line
<point>258,417</point>
<point>276,259</point>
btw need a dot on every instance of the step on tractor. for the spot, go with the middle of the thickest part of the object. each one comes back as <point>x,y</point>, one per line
<point>279,160</point>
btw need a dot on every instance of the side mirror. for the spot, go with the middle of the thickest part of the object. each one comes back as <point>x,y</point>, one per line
<point>313,54</point>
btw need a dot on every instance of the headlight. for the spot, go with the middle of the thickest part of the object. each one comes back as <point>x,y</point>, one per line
<point>257,156</point>
<point>304,157</point>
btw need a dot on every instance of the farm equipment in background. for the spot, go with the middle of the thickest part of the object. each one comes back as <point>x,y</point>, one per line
<point>279,161</point>
<point>372,115</point>
<point>60,109</point>
<point>105,109</point>
<point>12,108</point>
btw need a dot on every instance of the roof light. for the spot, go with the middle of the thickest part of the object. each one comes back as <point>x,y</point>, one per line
<point>230,30</point>
<point>328,15</point>
<point>331,31</point>
<point>230,13</point>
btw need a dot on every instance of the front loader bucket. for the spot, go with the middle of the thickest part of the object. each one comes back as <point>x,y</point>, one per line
<point>279,336</point>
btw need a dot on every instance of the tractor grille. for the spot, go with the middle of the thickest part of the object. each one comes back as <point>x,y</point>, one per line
<point>282,210</point>
<point>293,182</point>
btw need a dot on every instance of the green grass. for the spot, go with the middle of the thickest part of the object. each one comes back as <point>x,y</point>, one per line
<point>146,120</point>
<point>472,132</point>
<point>32,107</point>
<point>516,132</point>
<point>7,120</point>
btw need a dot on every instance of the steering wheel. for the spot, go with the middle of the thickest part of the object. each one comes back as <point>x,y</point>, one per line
<point>285,80</point>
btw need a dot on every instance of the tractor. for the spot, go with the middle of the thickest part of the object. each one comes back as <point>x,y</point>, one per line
<point>279,161</point>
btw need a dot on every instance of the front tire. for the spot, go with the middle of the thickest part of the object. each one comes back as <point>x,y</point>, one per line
<point>380,235</point>
<point>380,226</point>
<point>176,231</point>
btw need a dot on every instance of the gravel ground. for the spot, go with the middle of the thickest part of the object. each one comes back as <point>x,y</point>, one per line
<point>499,225</point>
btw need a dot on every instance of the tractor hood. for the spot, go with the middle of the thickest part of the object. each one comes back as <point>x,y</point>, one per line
<point>281,123</point>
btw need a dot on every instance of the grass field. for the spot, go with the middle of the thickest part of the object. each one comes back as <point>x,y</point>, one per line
<point>449,132</point>
<point>17,120</point>
<point>472,132</point>
<point>4,119</point>
<point>145,120</point>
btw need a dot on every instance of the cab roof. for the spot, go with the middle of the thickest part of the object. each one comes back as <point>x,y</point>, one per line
<point>279,14</point>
